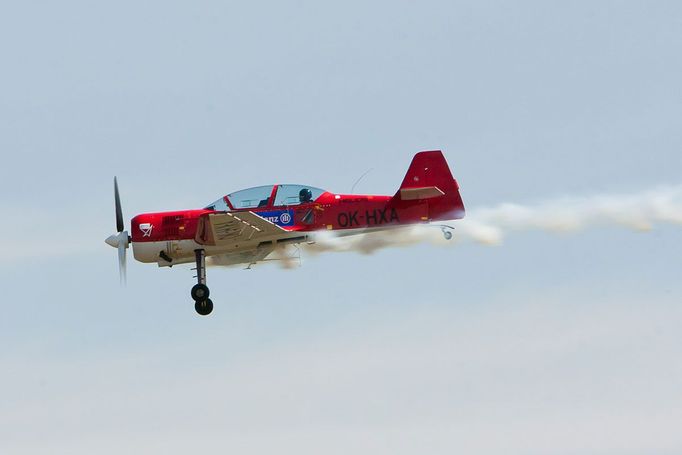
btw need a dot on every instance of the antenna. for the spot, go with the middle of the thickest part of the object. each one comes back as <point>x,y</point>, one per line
<point>360,178</point>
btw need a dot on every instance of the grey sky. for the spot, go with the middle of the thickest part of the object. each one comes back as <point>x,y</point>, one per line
<point>545,344</point>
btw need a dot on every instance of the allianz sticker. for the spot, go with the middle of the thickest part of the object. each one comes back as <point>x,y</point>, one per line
<point>279,217</point>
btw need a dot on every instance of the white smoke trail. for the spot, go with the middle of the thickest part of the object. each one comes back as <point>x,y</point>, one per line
<point>489,225</point>
<point>368,243</point>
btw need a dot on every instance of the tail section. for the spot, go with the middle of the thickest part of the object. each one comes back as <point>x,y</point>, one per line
<point>429,181</point>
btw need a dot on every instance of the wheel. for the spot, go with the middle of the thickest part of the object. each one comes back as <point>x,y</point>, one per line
<point>447,235</point>
<point>199,292</point>
<point>204,307</point>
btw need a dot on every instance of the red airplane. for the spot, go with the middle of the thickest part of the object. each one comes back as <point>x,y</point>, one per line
<point>248,225</point>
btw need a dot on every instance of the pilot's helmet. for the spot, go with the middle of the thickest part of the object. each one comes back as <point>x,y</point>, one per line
<point>305,195</point>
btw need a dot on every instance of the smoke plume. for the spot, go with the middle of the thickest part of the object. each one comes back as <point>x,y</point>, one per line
<point>489,225</point>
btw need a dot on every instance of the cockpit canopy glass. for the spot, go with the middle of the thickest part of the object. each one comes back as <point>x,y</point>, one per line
<point>251,197</point>
<point>260,197</point>
<point>296,194</point>
<point>220,205</point>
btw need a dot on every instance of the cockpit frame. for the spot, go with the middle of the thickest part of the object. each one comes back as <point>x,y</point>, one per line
<point>278,195</point>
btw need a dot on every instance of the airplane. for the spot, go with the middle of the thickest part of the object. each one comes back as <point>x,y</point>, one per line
<point>245,227</point>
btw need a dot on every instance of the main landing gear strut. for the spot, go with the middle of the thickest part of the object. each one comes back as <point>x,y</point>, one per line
<point>200,291</point>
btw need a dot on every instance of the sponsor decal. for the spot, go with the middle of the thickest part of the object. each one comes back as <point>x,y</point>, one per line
<point>279,217</point>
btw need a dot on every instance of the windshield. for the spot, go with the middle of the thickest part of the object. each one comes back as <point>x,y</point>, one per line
<point>251,197</point>
<point>220,205</point>
<point>244,199</point>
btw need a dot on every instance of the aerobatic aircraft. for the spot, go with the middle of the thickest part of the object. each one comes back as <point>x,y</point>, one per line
<point>249,225</point>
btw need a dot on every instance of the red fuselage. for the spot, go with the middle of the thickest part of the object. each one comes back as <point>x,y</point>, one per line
<point>328,212</point>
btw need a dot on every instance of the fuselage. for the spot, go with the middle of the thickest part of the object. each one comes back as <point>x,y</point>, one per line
<point>157,237</point>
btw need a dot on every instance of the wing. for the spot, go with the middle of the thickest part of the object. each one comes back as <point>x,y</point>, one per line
<point>251,256</point>
<point>242,231</point>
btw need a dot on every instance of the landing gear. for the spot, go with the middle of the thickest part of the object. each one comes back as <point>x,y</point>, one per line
<point>200,292</point>
<point>204,307</point>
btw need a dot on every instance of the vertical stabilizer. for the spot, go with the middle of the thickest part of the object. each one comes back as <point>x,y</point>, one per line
<point>429,180</point>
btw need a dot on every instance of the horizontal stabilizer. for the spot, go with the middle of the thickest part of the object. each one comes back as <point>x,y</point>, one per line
<point>425,192</point>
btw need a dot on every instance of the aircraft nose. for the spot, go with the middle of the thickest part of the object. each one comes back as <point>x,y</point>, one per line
<point>112,240</point>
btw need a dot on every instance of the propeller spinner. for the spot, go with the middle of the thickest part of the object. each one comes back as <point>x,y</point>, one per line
<point>121,240</point>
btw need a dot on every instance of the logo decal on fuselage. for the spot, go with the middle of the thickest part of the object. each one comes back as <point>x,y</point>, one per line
<point>146,229</point>
<point>278,217</point>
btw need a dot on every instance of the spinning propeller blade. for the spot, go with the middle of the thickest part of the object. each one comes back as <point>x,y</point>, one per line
<point>122,260</point>
<point>119,212</point>
<point>120,240</point>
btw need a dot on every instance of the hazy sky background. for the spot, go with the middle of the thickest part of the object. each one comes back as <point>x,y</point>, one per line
<point>565,344</point>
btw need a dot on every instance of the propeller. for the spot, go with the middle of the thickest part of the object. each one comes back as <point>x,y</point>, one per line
<point>120,240</point>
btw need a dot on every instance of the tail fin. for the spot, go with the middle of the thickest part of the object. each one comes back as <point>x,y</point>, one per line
<point>429,180</point>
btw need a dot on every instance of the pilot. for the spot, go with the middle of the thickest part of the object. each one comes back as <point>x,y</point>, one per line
<point>305,195</point>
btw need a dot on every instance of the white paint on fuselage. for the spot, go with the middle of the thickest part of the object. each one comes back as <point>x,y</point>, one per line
<point>182,251</point>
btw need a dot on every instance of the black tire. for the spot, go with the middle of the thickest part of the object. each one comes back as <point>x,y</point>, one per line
<point>200,292</point>
<point>204,307</point>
